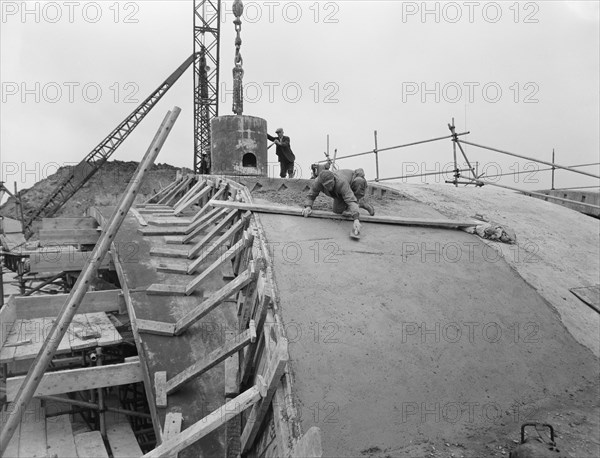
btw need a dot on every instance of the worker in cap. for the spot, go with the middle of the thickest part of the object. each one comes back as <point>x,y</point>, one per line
<point>337,187</point>
<point>285,156</point>
<point>358,184</point>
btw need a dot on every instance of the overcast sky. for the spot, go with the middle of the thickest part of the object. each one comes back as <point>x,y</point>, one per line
<point>522,77</point>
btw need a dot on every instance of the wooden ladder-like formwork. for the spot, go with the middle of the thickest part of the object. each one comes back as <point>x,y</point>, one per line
<point>256,356</point>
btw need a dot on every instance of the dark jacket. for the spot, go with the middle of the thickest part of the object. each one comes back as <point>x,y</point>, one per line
<point>283,151</point>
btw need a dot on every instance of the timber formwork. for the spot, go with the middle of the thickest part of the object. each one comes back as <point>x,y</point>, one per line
<point>198,285</point>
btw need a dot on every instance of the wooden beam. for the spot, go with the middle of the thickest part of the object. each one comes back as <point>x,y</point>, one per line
<point>86,378</point>
<point>214,300</point>
<point>172,427</point>
<point>272,376</point>
<point>122,440</point>
<point>59,437</point>
<point>227,218</point>
<point>64,260</point>
<point>209,423</point>
<point>227,256</point>
<point>69,223</point>
<point>210,218</point>
<point>156,327</point>
<point>28,307</point>
<point>75,236</point>
<point>177,221</point>
<point>216,356</point>
<point>197,197</point>
<point>160,387</point>
<point>216,196</point>
<point>90,445</point>
<point>169,252</point>
<point>139,345</point>
<point>161,289</point>
<point>297,211</point>
<point>189,193</point>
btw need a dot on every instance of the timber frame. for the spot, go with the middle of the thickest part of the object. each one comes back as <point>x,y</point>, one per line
<point>258,411</point>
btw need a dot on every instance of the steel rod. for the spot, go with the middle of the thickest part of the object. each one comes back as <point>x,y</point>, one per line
<point>530,159</point>
<point>376,158</point>
<point>533,171</point>
<point>64,318</point>
<point>533,193</point>
<point>399,146</point>
<point>422,175</point>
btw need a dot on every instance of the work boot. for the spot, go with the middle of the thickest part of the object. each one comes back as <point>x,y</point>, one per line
<point>367,206</point>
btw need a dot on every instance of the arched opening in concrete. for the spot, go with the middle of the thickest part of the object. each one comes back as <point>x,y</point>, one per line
<point>249,160</point>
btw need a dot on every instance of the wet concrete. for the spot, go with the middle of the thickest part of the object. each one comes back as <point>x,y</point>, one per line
<point>413,334</point>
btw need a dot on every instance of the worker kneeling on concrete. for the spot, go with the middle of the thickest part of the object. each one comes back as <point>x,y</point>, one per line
<point>358,184</point>
<point>337,185</point>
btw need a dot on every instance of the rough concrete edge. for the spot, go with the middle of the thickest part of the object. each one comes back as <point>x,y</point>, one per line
<point>294,427</point>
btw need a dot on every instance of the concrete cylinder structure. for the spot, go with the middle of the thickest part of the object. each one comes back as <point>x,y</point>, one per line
<point>238,145</point>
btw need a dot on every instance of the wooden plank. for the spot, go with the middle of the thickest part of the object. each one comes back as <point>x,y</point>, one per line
<point>69,223</point>
<point>195,189</point>
<point>122,441</point>
<point>173,222</point>
<point>232,386</point>
<point>76,236</point>
<point>196,198</point>
<point>66,259</point>
<point>86,378</point>
<point>156,327</point>
<point>272,376</point>
<point>227,256</point>
<point>28,307</point>
<point>160,387</point>
<point>172,427</point>
<point>141,220</point>
<point>227,218</point>
<point>59,437</point>
<point>208,424</point>
<point>172,196</point>
<point>159,230</point>
<point>214,300</point>
<point>161,289</point>
<point>81,334</point>
<point>296,211</point>
<point>90,445</point>
<point>32,438</point>
<point>169,252</point>
<point>209,361</point>
<point>218,243</point>
<point>108,333</point>
<point>174,266</point>
<point>215,196</point>
<point>309,445</point>
<point>174,191</point>
<point>211,218</point>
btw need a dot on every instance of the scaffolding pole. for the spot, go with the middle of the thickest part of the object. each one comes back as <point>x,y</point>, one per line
<point>69,309</point>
